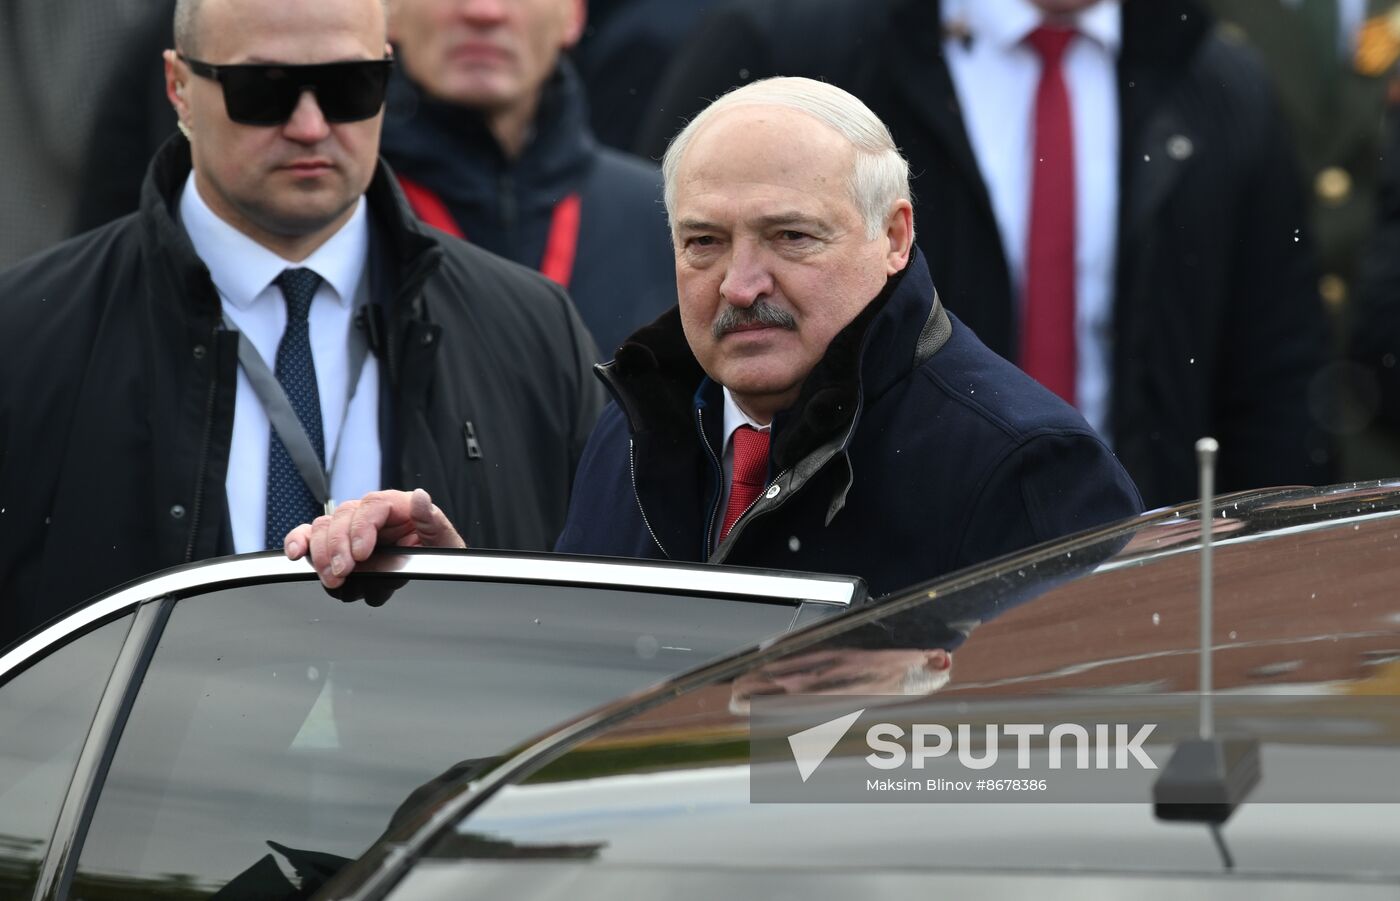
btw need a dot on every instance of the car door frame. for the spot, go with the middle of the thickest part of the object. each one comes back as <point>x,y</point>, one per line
<point>152,600</point>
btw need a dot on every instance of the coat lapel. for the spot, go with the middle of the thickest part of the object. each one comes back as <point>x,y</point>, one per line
<point>1159,40</point>
<point>921,75</point>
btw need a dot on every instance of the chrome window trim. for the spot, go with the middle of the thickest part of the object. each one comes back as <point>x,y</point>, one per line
<point>640,574</point>
<point>99,746</point>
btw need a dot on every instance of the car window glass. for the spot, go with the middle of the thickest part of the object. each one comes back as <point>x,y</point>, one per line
<point>45,713</point>
<point>278,729</point>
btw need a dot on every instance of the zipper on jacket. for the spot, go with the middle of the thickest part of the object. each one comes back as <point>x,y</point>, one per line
<point>632,461</point>
<point>197,506</point>
<point>473,447</point>
<point>740,522</point>
<point>845,442</point>
<point>714,505</point>
<point>391,354</point>
<point>506,189</point>
<point>719,480</point>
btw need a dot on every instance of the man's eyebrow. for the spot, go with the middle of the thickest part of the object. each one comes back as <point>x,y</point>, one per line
<point>773,220</point>
<point>256,60</point>
<point>779,220</point>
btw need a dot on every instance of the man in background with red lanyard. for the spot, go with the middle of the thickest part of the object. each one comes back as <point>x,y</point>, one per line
<point>487,128</point>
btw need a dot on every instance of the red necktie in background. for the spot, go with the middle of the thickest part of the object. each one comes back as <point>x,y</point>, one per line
<point>750,474</point>
<point>1047,324</point>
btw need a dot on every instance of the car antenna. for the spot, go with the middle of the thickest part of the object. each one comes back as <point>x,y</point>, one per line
<point>1209,776</point>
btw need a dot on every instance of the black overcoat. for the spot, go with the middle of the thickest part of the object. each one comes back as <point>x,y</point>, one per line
<point>117,389</point>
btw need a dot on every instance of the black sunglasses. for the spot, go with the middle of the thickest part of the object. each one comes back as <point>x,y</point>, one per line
<point>257,94</point>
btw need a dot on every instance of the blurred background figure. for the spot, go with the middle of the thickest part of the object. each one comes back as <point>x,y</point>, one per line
<point>54,51</point>
<point>1107,194</point>
<point>131,121</point>
<point>1334,105</point>
<point>1333,64</point>
<point>625,47</point>
<point>1375,316</point>
<point>488,131</point>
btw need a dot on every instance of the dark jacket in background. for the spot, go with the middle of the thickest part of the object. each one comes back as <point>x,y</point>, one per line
<point>117,387</point>
<point>132,120</point>
<point>623,269</point>
<point>54,57</point>
<point>1336,107</point>
<point>912,451</point>
<point>626,45</point>
<point>1375,331</point>
<point>1335,112</point>
<point>1217,327</point>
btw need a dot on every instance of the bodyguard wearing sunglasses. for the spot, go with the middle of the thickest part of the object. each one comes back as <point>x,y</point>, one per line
<point>273,329</point>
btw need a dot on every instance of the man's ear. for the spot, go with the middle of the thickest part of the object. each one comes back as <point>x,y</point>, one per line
<point>177,75</point>
<point>578,18</point>
<point>392,21</point>
<point>899,232</point>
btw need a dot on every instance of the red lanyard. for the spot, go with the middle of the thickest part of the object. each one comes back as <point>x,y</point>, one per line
<point>559,248</point>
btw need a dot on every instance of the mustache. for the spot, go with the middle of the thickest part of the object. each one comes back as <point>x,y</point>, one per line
<point>760,312</point>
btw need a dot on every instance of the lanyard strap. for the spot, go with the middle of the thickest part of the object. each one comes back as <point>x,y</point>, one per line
<point>560,247</point>
<point>279,409</point>
<point>558,262</point>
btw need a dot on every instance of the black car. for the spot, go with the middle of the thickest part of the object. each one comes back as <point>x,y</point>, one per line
<point>670,793</point>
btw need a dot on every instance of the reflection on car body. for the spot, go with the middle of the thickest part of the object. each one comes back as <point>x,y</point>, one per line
<point>649,791</point>
<point>657,789</point>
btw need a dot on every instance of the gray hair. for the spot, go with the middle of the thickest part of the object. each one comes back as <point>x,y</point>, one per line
<point>186,11</point>
<point>880,175</point>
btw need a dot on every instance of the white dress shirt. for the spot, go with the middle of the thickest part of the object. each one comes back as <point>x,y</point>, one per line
<point>996,75</point>
<point>244,272</point>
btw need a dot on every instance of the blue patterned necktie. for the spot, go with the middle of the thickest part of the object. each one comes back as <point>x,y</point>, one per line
<point>289,502</point>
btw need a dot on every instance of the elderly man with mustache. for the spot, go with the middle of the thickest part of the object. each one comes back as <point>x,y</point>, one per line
<point>809,404</point>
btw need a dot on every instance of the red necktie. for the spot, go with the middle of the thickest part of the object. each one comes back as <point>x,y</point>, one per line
<point>1047,323</point>
<point>750,474</point>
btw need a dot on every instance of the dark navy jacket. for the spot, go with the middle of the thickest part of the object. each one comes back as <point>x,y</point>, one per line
<point>623,272</point>
<point>912,451</point>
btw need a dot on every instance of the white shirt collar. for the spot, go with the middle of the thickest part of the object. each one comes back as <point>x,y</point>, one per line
<point>241,268</point>
<point>1005,23</point>
<point>735,417</point>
